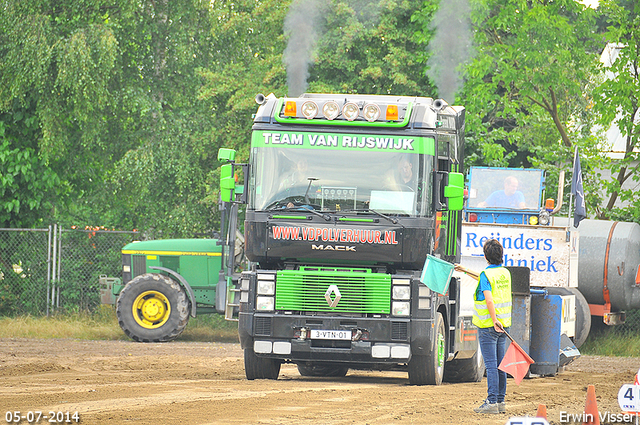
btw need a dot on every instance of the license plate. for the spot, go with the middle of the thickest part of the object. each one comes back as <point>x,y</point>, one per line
<point>339,335</point>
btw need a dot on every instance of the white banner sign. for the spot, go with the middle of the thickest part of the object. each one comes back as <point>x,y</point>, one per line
<point>544,250</point>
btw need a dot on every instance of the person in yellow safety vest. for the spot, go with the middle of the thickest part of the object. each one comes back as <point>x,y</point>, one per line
<point>492,316</point>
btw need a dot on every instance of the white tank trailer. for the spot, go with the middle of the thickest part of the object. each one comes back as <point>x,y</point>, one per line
<point>609,268</point>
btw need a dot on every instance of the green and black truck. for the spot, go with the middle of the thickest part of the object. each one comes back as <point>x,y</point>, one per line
<point>346,197</point>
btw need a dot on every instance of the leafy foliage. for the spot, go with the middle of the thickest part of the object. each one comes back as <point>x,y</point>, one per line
<point>111,113</point>
<point>617,101</point>
<point>529,79</point>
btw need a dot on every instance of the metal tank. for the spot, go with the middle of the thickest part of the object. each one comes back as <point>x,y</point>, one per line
<point>609,265</point>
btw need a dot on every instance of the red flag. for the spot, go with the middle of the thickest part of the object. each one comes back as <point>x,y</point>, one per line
<point>516,362</point>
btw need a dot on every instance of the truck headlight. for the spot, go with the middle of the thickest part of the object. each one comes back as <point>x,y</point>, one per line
<point>330,110</point>
<point>309,109</point>
<point>401,292</point>
<point>400,308</point>
<point>350,111</point>
<point>265,303</point>
<point>266,287</point>
<point>371,112</point>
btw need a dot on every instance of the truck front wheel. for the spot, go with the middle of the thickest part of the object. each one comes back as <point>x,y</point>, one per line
<point>429,369</point>
<point>259,367</point>
<point>152,308</point>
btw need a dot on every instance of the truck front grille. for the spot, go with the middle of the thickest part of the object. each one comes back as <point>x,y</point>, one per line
<point>361,291</point>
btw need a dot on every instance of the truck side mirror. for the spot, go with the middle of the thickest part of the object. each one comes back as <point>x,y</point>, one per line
<point>225,154</point>
<point>227,182</point>
<point>454,191</point>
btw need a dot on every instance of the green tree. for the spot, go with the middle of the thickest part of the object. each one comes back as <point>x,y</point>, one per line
<point>53,82</point>
<point>160,184</point>
<point>616,101</point>
<point>373,47</point>
<point>527,88</point>
<point>109,93</point>
<point>247,36</point>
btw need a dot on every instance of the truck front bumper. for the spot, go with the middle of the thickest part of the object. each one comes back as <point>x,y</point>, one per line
<point>366,339</point>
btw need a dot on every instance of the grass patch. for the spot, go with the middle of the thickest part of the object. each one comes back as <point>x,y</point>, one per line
<point>612,342</point>
<point>99,325</point>
<point>103,325</point>
<point>210,327</point>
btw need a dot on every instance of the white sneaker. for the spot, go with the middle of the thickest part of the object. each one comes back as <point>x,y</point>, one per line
<point>488,408</point>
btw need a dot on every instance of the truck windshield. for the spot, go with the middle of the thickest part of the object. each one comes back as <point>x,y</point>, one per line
<point>387,182</point>
<point>506,188</point>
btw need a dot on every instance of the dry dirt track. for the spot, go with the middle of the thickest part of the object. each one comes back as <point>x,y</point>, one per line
<point>117,382</point>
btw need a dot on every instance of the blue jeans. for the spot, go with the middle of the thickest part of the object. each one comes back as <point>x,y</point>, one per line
<point>493,346</point>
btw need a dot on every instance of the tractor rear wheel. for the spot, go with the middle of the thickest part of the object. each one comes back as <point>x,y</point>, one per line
<point>152,308</point>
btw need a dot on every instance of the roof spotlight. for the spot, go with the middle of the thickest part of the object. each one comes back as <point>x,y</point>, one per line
<point>309,109</point>
<point>371,112</point>
<point>330,110</point>
<point>350,111</point>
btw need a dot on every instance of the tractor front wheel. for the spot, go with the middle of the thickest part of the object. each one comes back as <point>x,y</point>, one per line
<point>152,308</point>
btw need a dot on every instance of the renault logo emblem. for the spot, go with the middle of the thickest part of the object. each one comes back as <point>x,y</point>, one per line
<point>333,289</point>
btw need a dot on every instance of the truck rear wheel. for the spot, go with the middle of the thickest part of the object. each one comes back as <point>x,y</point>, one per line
<point>152,308</point>
<point>465,370</point>
<point>583,314</point>
<point>429,369</point>
<point>322,369</point>
<point>259,367</point>
<point>583,318</point>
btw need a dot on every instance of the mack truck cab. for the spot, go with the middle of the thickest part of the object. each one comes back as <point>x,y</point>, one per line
<point>346,196</point>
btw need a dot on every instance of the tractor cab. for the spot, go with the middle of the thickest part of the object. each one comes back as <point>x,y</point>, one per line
<point>507,196</point>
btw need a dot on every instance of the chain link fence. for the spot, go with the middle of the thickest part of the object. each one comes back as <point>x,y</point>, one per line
<point>43,271</point>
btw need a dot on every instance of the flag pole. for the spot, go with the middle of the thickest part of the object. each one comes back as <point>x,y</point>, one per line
<point>571,210</point>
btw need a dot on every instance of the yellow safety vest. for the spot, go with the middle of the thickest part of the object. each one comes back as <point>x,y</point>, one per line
<point>500,279</point>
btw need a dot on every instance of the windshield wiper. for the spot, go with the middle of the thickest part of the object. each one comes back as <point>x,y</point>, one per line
<point>311,210</point>
<point>379,214</point>
<point>300,208</point>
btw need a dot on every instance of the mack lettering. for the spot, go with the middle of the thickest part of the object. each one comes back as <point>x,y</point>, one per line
<point>333,248</point>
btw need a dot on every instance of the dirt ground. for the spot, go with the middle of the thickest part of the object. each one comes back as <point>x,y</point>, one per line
<point>119,382</point>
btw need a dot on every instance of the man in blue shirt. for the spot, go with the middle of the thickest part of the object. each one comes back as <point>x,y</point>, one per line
<point>510,197</point>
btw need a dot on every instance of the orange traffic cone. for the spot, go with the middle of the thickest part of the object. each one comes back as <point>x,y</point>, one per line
<point>590,415</point>
<point>542,411</point>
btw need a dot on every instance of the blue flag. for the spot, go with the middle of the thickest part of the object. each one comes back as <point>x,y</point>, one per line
<point>580,210</point>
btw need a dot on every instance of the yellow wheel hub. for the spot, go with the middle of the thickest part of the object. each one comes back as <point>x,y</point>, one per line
<point>151,309</point>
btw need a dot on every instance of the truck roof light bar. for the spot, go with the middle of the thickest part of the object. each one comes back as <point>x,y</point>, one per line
<point>343,112</point>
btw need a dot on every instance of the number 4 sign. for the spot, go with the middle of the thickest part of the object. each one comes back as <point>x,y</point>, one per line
<point>629,398</point>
